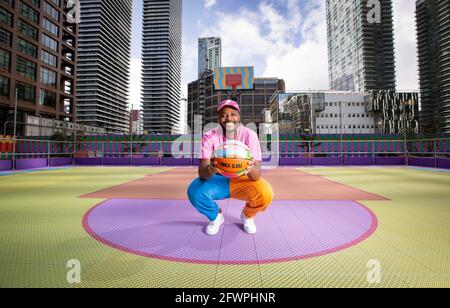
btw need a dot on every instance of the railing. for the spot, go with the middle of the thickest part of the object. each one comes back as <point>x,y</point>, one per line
<point>308,151</point>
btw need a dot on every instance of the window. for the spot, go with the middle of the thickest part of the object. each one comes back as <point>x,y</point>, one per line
<point>5,60</point>
<point>9,3</point>
<point>47,98</point>
<point>29,13</point>
<point>6,17</point>
<point>56,2</point>
<point>4,86</point>
<point>51,27</point>
<point>49,42</point>
<point>26,47</point>
<point>5,37</point>
<point>26,93</point>
<point>51,11</point>
<point>49,59</point>
<point>26,68</point>
<point>48,77</point>
<point>36,2</point>
<point>28,30</point>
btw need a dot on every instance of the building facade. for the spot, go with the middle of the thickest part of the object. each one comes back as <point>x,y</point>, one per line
<point>37,62</point>
<point>203,100</point>
<point>433,32</point>
<point>104,63</point>
<point>375,112</point>
<point>394,112</point>
<point>361,45</point>
<point>161,66</point>
<point>209,54</point>
<point>322,113</point>
<point>136,124</point>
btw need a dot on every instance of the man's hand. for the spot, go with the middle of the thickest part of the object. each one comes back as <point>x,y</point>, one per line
<point>207,169</point>
<point>254,170</point>
<point>250,166</point>
<point>213,167</point>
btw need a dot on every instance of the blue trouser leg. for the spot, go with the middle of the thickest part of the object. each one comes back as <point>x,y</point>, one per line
<point>203,195</point>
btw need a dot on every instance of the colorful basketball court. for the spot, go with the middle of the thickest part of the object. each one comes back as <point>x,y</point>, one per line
<point>133,227</point>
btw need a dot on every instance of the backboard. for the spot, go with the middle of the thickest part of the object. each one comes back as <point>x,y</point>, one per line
<point>234,78</point>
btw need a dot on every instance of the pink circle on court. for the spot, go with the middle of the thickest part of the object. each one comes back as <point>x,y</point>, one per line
<point>172,230</point>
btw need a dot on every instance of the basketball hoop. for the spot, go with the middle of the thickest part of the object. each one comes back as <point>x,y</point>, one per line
<point>233,81</point>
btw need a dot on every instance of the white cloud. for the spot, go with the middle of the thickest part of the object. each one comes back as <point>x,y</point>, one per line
<point>210,3</point>
<point>406,45</point>
<point>305,66</point>
<point>135,83</point>
<point>266,39</point>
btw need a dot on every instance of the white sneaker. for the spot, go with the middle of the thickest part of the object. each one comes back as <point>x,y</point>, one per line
<point>249,224</point>
<point>214,227</point>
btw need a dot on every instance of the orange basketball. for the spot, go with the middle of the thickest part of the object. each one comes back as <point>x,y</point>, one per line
<point>232,166</point>
<point>232,159</point>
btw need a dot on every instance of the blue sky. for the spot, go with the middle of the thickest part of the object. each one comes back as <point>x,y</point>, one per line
<point>280,38</point>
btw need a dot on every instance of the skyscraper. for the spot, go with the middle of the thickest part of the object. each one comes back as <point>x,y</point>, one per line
<point>209,54</point>
<point>161,66</point>
<point>361,45</point>
<point>433,30</point>
<point>103,64</point>
<point>37,59</point>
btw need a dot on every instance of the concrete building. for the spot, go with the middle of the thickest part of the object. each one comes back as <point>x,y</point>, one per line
<point>136,123</point>
<point>322,113</point>
<point>375,112</point>
<point>38,60</point>
<point>203,100</point>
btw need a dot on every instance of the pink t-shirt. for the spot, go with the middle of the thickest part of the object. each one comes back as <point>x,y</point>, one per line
<point>213,139</point>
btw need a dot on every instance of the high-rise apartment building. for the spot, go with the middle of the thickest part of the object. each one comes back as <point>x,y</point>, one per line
<point>361,45</point>
<point>104,64</point>
<point>161,66</point>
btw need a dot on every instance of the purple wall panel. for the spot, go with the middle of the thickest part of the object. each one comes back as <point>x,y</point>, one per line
<point>444,163</point>
<point>117,161</point>
<point>88,161</point>
<point>390,161</point>
<point>326,161</point>
<point>60,161</point>
<point>422,161</point>
<point>22,164</point>
<point>5,165</point>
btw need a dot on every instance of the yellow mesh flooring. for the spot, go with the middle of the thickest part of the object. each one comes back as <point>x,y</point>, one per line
<point>41,230</point>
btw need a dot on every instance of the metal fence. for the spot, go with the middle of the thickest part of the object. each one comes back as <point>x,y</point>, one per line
<point>15,149</point>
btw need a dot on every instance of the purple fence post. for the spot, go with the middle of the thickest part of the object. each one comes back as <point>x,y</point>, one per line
<point>49,148</point>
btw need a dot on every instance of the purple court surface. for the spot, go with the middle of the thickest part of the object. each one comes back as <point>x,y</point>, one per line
<point>172,230</point>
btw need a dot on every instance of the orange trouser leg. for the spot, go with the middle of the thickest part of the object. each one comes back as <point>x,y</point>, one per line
<point>259,195</point>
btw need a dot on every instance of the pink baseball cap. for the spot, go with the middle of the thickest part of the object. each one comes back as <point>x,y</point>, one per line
<point>229,103</point>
